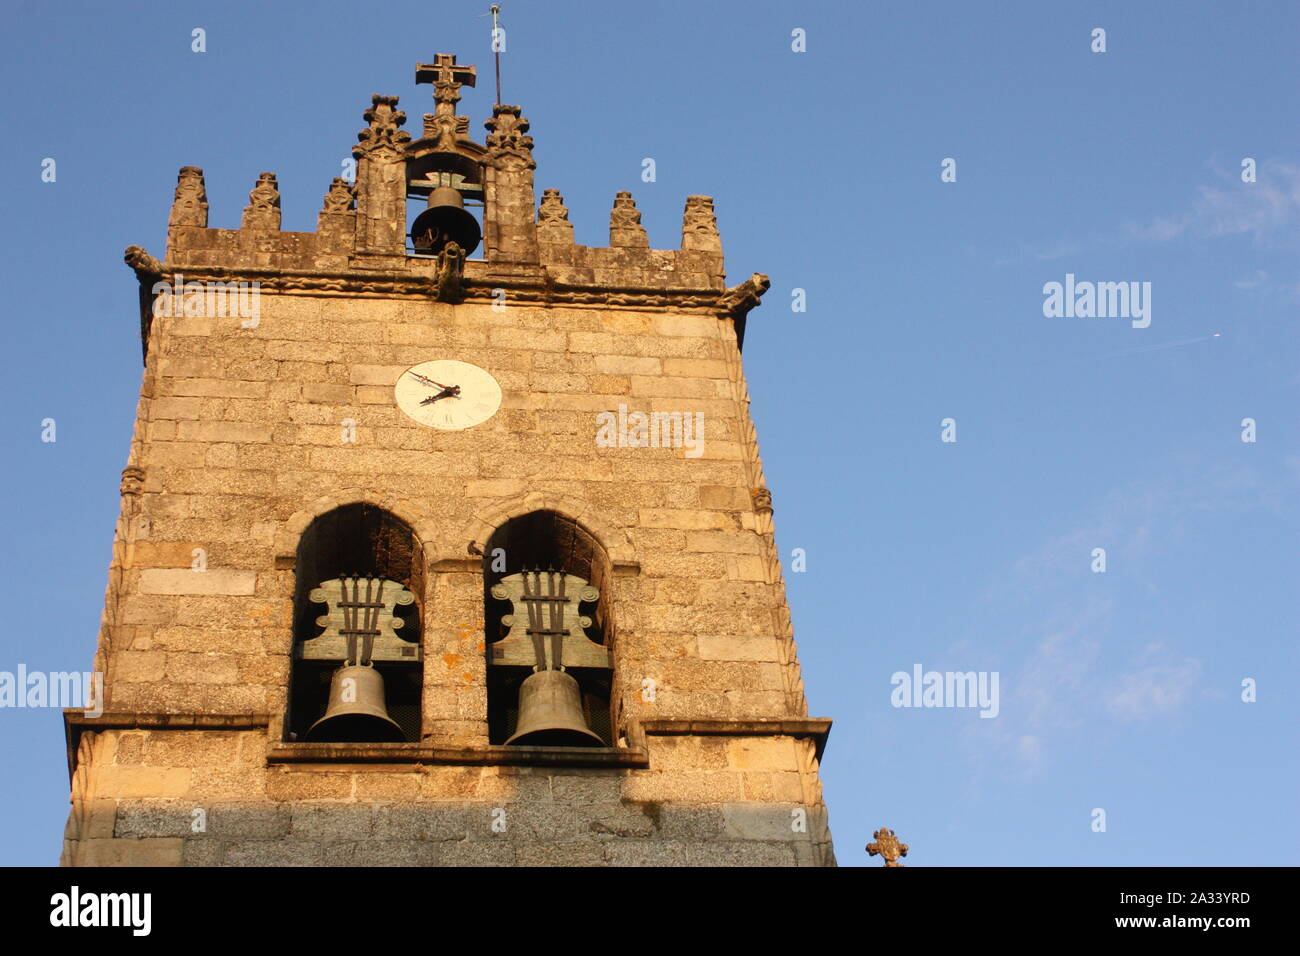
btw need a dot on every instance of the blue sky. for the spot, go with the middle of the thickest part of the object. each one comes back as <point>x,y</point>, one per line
<point>1120,690</point>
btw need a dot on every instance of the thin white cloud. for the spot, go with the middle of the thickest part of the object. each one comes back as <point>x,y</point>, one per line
<point>1261,209</point>
<point>1078,669</point>
<point>1154,689</point>
<point>1267,210</point>
<point>1057,250</point>
<point>1031,749</point>
<point>1047,691</point>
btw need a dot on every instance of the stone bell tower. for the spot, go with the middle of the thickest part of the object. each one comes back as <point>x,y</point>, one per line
<point>443,540</point>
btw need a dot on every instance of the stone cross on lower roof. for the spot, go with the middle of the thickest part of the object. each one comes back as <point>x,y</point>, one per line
<point>447,78</point>
<point>887,846</point>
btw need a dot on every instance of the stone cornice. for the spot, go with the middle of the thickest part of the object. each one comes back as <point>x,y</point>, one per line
<point>817,729</point>
<point>479,283</point>
<point>393,283</point>
<point>333,754</point>
<point>76,722</point>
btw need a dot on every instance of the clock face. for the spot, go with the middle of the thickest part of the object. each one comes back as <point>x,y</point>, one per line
<point>448,395</point>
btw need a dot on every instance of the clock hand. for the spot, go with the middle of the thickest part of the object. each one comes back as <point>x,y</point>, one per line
<point>425,380</point>
<point>447,390</point>
<point>452,391</point>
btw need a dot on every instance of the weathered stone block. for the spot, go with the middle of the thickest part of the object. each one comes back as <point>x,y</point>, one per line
<point>740,853</point>
<point>565,854</point>
<point>189,581</point>
<point>241,432</point>
<point>327,393</point>
<point>128,852</point>
<point>759,821</point>
<point>724,648</point>
<point>248,821</point>
<point>331,821</point>
<point>428,822</point>
<point>140,781</point>
<point>647,853</point>
<point>153,818</point>
<point>308,785</point>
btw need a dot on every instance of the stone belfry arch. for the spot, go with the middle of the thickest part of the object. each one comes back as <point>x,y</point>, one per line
<point>523,455</point>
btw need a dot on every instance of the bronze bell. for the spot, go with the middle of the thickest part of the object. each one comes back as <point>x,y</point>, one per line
<point>356,713</point>
<point>446,220</point>
<point>550,713</point>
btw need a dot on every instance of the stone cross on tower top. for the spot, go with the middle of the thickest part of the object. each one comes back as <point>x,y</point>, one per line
<point>447,78</point>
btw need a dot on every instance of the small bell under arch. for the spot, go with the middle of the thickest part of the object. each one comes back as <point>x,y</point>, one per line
<point>445,221</point>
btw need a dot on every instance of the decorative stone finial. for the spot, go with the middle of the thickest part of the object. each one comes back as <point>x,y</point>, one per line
<point>382,140</point>
<point>263,210</point>
<point>380,221</point>
<point>625,227</point>
<point>339,198</point>
<point>190,207</point>
<point>700,225</point>
<point>553,218</point>
<point>508,147</point>
<point>336,219</point>
<point>509,217</point>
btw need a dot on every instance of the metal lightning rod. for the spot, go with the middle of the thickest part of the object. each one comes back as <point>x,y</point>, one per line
<point>496,45</point>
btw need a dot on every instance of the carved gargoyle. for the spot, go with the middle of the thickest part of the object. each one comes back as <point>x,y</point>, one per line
<point>739,299</point>
<point>736,302</point>
<point>448,279</point>
<point>148,271</point>
<point>146,266</point>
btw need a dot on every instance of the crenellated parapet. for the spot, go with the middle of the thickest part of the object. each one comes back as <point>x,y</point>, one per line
<point>629,261</point>
<point>362,241</point>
